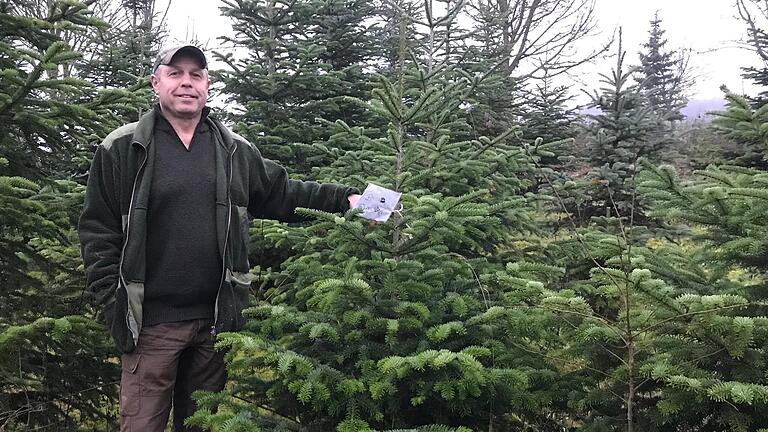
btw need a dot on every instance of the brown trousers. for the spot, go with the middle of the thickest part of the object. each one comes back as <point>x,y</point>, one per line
<point>171,361</point>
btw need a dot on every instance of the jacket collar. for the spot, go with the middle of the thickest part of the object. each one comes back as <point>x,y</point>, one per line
<point>222,132</point>
<point>142,135</point>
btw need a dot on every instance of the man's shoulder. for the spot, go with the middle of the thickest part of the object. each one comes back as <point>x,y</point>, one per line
<point>240,141</point>
<point>226,131</point>
<point>123,134</point>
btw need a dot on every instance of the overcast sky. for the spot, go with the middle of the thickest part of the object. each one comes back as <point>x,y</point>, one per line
<point>707,27</point>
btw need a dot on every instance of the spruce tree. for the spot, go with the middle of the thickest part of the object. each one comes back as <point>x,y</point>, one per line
<point>663,78</point>
<point>661,74</point>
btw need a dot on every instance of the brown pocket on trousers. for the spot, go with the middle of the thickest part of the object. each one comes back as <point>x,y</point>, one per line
<point>130,384</point>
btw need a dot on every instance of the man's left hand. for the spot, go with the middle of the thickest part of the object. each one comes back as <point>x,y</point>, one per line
<point>353,199</point>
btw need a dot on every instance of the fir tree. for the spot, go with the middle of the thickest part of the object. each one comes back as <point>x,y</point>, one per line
<point>408,323</point>
<point>648,334</point>
<point>47,115</point>
<point>716,206</point>
<point>398,18</point>
<point>621,134</point>
<point>669,330</point>
<point>545,117</point>
<point>303,59</point>
<point>659,333</point>
<point>546,113</point>
<point>743,124</point>
<point>47,332</point>
<point>120,54</point>
<point>760,77</point>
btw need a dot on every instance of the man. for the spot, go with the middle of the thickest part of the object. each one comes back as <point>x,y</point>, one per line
<point>164,233</point>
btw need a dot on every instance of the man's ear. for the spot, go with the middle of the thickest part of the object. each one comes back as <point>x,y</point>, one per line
<point>154,80</point>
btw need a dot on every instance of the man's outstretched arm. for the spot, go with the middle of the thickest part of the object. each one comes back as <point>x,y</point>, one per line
<point>275,196</point>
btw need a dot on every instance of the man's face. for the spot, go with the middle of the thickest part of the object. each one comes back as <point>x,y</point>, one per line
<point>182,87</point>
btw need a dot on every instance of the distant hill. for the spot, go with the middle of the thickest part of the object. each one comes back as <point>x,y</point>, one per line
<point>698,109</point>
<point>695,110</point>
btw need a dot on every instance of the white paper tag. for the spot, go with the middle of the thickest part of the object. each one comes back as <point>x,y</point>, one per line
<point>378,203</point>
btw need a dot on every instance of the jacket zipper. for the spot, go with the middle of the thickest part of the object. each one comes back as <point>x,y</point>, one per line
<point>226,240</point>
<point>125,243</point>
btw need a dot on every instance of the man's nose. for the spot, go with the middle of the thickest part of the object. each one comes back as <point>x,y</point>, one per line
<point>186,80</point>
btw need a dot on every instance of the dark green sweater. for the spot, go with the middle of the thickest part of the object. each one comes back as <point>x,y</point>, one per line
<point>183,262</point>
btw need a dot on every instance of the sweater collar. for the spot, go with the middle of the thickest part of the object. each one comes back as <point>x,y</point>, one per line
<point>162,123</point>
<point>142,135</point>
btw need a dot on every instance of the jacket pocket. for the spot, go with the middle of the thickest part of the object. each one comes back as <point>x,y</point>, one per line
<point>115,316</point>
<point>241,295</point>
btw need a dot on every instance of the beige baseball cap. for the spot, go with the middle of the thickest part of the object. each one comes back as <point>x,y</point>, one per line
<point>165,56</point>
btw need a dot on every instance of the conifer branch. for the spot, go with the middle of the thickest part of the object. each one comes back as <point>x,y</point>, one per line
<point>568,363</point>
<point>267,408</point>
<point>483,291</point>
<point>696,313</point>
<point>29,406</point>
<point>607,323</point>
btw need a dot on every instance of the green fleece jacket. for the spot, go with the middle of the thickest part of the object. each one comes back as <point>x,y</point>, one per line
<point>113,224</point>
